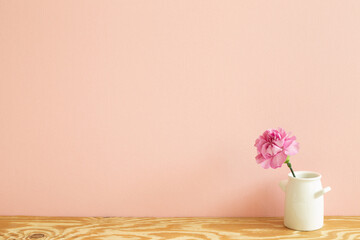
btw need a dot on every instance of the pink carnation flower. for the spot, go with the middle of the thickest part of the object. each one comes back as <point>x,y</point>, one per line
<point>273,147</point>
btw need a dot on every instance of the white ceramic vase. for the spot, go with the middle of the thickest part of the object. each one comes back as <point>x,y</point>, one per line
<point>304,201</point>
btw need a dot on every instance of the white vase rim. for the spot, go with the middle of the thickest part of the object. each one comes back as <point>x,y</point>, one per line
<point>305,176</point>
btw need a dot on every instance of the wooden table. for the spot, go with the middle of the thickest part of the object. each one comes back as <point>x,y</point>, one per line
<point>14,228</point>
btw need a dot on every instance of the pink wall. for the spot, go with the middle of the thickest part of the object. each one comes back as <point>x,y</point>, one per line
<point>151,108</point>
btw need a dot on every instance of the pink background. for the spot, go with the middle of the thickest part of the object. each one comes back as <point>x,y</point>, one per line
<point>151,108</point>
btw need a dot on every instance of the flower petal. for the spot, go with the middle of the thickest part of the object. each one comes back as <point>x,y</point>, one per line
<point>279,142</point>
<point>265,164</point>
<point>265,151</point>
<point>278,160</point>
<point>282,132</point>
<point>259,143</point>
<point>292,149</point>
<point>259,158</point>
<point>288,141</point>
<point>275,149</point>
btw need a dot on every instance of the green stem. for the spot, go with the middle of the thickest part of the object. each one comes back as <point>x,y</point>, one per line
<point>289,165</point>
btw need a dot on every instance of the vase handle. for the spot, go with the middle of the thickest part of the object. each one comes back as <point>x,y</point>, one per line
<point>325,190</point>
<point>322,192</point>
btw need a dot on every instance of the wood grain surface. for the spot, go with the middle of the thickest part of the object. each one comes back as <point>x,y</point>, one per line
<point>14,228</point>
